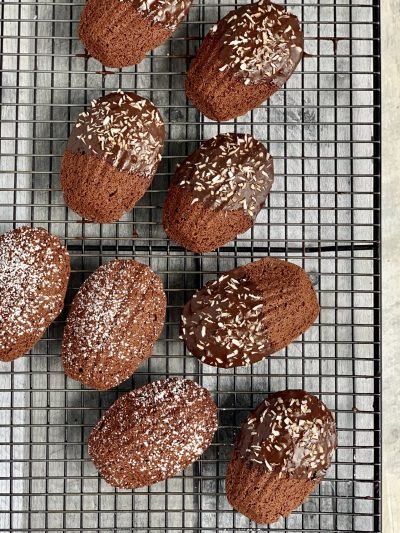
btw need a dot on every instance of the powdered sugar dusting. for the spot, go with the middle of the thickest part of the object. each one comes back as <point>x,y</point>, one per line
<point>115,318</point>
<point>153,433</point>
<point>34,270</point>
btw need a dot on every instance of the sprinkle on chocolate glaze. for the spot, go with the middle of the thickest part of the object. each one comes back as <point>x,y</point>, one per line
<point>260,43</point>
<point>222,323</point>
<point>153,433</point>
<point>33,270</point>
<point>230,171</point>
<point>290,433</point>
<point>168,13</point>
<point>124,129</point>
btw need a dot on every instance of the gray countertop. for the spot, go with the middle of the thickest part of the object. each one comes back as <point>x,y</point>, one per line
<point>391,264</point>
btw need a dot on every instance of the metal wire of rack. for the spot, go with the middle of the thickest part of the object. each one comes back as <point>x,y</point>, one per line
<point>323,213</point>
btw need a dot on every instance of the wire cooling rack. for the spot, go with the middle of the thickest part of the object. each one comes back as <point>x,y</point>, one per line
<point>323,130</point>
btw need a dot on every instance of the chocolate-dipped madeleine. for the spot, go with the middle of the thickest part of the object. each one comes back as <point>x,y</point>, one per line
<point>34,273</point>
<point>115,319</point>
<point>153,433</point>
<point>244,59</point>
<point>119,33</point>
<point>281,454</point>
<point>112,155</point>
<point>218,191</point>
<point>249,313</point>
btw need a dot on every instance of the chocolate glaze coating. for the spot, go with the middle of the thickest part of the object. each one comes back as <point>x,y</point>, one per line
<point>34,272</point>
<point>222,323</point>
<point>119,33</point>
<point>230,171</point>
<point>123,129</point>
<point>153,433</point>
<point>291,433</point>
<point>259,43</point>
<point>168,13</point>
<point>244,60</point>
<point>249,313</point>
<point>281,454</point>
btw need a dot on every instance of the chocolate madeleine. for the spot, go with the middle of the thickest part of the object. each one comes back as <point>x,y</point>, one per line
<point>153,433</point>
<point>249,313</point>
<point>217,192</point>
<point>34,273</point>
<point>244,60</point>
<point>281,454</point>
<point>115,319</point>
<point>112,155</point>
<point>119,33</point>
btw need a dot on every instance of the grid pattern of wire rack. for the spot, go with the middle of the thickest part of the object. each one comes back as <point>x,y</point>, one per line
<point>323,213</point>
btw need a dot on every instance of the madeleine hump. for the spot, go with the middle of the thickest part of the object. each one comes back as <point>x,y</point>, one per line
<point>249,313</point>
<point>282,452</point>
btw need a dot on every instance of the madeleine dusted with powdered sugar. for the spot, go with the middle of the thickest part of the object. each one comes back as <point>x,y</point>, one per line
<point>249,313</point>
<point>119,33</point>
<point>218,191</point>
<point>115,319</point>
<point>244,59</point>
<point>282,452</point>
<point>153,433</point>
<point>112,154</point>
<point>34,273</point>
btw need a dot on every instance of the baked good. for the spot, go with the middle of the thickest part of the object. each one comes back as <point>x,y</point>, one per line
<point>282,452</point>
<point>244,60</point>
<point>218,191</point>
<point>153,433</point>
<point>119,33</point>
<point>115,319</point>
<point>34,273</point>
<point>112,155</point>
<point>249,313</point>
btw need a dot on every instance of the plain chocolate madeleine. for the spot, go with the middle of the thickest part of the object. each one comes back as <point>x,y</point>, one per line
<point>217,192</point>
<point>119,33</point>
<point>244,59</point>
<point>249,313</point>
<point>115,319</point>
<point>112,155</point>
<point>153,433</point>
<point>282,452</point>
<point>34,273</point>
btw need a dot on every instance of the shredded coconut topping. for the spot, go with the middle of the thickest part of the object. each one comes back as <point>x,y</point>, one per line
<point>223,324</point>
<point>122,128</point>
<point>230,171</point>
<point>291,433</point>
<point>260,42</point>
<point>168,13</point>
